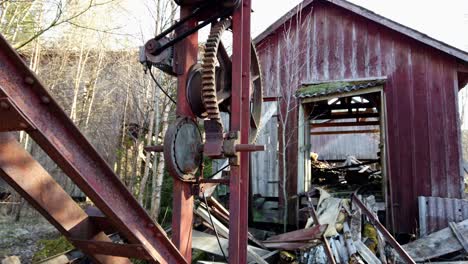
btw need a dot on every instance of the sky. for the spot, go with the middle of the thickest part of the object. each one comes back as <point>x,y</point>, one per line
<point>446,21</point>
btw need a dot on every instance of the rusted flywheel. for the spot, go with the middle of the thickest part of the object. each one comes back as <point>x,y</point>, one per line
<point>182,149</point>
<point>209,83</point>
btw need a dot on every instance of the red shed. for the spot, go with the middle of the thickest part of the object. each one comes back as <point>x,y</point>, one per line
<point>336,42</point>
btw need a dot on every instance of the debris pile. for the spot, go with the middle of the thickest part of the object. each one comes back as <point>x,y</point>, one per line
<point>346,176</point>
<point>339,231</point>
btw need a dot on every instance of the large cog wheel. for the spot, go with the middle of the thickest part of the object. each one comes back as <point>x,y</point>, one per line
<point>213,78</point>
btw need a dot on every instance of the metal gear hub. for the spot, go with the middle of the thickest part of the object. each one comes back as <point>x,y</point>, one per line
<point>182,149</point>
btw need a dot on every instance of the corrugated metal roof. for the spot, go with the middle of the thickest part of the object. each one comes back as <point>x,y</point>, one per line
<point>318,89</point>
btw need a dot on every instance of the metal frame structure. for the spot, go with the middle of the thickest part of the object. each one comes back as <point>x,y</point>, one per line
<point>25,105</point>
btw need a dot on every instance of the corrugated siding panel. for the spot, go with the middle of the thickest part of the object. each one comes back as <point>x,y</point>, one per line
<point>435,213</point>
<point>420,96</point>
<point>264,164</point>
<point>338,147</point>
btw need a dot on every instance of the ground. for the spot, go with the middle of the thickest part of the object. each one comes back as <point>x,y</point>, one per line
<point>21,238</point>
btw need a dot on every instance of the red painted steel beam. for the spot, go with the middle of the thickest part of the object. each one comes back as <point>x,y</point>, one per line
<point>240,121</point>
<point>64,143</point>
<point>186,54</point>
<point>19,169</point>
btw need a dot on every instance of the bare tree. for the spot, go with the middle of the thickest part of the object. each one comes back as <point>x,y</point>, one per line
<point>287,69</point>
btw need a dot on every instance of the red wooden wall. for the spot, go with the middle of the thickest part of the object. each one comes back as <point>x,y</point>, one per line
<point>326,42</point>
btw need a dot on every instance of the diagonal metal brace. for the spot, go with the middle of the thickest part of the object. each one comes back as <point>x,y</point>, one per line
<point>56,134</point>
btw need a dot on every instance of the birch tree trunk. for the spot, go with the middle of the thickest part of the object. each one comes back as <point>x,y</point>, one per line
<point>149,141</point>
<point>158,177</point>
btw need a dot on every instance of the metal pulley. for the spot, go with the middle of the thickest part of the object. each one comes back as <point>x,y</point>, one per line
<point>183,149</point>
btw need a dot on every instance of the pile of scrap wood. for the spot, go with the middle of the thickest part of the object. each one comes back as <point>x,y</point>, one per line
<point>339,231</point>
<point>211,235</point>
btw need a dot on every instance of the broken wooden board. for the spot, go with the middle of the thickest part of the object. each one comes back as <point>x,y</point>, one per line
<point>208,243</point>
<point>436,244</point>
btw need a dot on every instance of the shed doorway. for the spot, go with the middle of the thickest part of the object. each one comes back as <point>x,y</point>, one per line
<point>342,140</point>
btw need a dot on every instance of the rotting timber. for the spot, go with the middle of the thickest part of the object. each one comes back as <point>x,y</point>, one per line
<point>25,105</point>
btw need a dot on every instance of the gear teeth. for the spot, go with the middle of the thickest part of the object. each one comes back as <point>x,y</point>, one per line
<point>209,61</point>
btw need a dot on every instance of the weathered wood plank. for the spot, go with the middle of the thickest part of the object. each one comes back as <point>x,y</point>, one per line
<point>436,244</point>
<point>208,243</point>
<point>459,236</point>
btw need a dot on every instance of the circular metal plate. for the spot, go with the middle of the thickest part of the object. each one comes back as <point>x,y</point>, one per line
<point>182,153</point>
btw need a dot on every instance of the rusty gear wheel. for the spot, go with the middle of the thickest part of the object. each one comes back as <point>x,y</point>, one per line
<point>209,61</point>
<point>209,83</point>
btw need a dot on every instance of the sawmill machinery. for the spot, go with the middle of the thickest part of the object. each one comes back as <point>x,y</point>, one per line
<point>208,86</point>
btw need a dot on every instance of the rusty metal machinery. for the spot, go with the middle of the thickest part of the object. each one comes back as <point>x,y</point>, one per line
<point>219,84</point>
<point>207,87</point>
<point>208,93</point>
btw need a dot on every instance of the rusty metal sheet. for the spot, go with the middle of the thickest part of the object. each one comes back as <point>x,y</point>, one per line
<point>56,134</point>
<point>307,234</point>
<point>435,213</point>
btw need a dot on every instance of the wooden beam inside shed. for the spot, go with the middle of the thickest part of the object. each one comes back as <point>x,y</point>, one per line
<point>368,131</point>
<point>344,124</point>
<point>345,115</point>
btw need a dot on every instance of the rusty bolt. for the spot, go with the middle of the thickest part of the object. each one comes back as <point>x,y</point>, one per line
<point>151,46</point>
<point>139,248</point>
<point>23,125</point>
<point>45,99</point>
<point>150,225</point>
<point>29,80</point>
<point>4,105</point>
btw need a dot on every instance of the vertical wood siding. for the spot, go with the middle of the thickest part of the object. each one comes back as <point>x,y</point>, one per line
<point>423,138</point>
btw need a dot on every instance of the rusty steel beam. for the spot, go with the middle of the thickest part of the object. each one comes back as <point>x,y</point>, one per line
<point>186,54</point>
<point>19,169</point>
<point>240,121</point>
<point>64,143</point>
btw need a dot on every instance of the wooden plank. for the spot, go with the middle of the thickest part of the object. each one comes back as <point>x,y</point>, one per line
<point>368,131</point>
<point>436,244</point>
<point>208,243</point>
<point>344,124</point>
<point>224,231</point>
<point>460,237</point>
